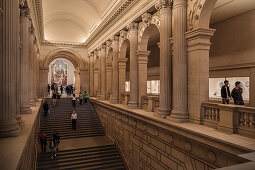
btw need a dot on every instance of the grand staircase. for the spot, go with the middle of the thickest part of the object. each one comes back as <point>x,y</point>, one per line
<point>104,156</point>
<point>88,124</point>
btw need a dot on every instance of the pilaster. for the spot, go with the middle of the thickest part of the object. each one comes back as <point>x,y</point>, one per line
<point>122,62</point>
<point>115,72</point>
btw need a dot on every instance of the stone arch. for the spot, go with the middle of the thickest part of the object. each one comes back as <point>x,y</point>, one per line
<point>199,13</point>
<point>145,29</point>
<point>69,54</point>
<point>123,48</point>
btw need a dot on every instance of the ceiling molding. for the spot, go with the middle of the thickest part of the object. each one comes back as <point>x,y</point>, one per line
<point>116,13</point>
<point>62,44</point>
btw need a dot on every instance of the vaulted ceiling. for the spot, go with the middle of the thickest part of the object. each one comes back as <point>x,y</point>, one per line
<point>72,21</point>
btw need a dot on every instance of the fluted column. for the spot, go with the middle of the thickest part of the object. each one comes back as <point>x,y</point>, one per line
<point>43,79</point>
<point>115,72</point>
<point>77,82</point>
<point>96,72</point>
<point>25,108</point>
<point>122,62</point>
<point>142,74</point>
<point>91,74</point>
<point>133,38</point>
<point>9,50</point>
<point>103,74</point>
<point>98,61</point>
<point>30,82</point>
<point>180,64</point>
<point>164,6</point>
<point>35,95</point>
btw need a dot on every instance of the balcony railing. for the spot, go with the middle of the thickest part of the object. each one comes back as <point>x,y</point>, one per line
<point>229,118</point>
<point>150,103</point>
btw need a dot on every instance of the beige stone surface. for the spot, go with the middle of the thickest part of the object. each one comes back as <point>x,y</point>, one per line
<point>12,148</point>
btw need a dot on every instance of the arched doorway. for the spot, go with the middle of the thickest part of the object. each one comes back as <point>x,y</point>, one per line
<point>61,74</point>
<point>67,54</point>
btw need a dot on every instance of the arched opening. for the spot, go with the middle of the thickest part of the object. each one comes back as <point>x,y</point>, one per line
<point>61,74</point>
<point>232,49</point>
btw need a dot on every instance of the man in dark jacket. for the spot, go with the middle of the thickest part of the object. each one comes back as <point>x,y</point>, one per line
<point>225,93</point>
<point>237,94</point>
<point>45,108</point>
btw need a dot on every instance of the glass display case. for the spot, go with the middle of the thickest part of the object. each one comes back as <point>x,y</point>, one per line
<point>215,85</point>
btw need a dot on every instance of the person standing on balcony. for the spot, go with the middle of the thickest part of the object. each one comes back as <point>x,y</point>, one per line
<point>237,94</point>
<point>74,120</point>
<point>225,93</point>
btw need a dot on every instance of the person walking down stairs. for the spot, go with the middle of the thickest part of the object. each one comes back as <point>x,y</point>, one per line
<point>74,100</point>
<point>53,147</point>
<point>43,141</point>
<point>80,98</point>
<point>56,138</point>
<point>74,120</point>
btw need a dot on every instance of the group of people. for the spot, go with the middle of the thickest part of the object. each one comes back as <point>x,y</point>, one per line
<point>82,97</point>
<point>54,141</point>
<point>70,89</point>
<point>236,93</point>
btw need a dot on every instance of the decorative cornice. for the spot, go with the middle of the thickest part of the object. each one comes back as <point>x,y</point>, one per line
<point>64,44</point>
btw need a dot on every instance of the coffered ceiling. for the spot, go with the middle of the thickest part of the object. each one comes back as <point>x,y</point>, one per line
<point>72,21</point>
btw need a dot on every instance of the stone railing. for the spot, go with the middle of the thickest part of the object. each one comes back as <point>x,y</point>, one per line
<point>151,143</point>
<point>229,118</point>
<point>124,98</point>
<point>150,103</point>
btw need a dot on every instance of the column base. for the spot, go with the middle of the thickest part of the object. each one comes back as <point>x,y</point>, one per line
<point>178,116</point>
<point>32,103</point>
<point>9,128</point>
<point>133,105</point>
<point>25,109</point>
<point>162,113</point>
<point>114,101</point>
<point>19,121</point>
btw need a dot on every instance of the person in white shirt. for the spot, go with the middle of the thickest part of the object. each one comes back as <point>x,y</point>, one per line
<point>74,100</point>
<point>74,120</point>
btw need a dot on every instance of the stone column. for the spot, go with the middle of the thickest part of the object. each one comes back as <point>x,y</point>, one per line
<point>133,38</point>
<point>103,74</point>
<point>98,61</point>
<point>198,46</point>
<point>108,70</point>
<point>122,75</point>
<point>252,87</point>
<point>9,50</point>
<point>142,74</point>
<point>115,74</point>
<point>25,108</point>
<point>43,79</point>
<point>30,83</point>
<point>180,63</point>
<point>35,95</point>
<point>164,6</point>
<point>96,72</point>
<point>77,82</point>
<point>91,74</point>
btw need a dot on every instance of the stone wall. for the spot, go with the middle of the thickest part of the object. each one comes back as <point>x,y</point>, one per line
<point>148,143</point>
<point>28,158</point>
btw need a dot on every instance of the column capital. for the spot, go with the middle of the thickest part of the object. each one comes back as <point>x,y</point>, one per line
<point>95,53</point>
<point>21,3</point>
<point>123,34</point>
<point>142,56</point>
<point>164,4</point>
<point>122,60</point>
<point>179,3</point>
<point>132,26</point>
<point>25,12</point>
<point>103,47</point>
<point>31,29</point>
<point>146,18</point>
<point>115,38</point>
<point>143,53</point>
